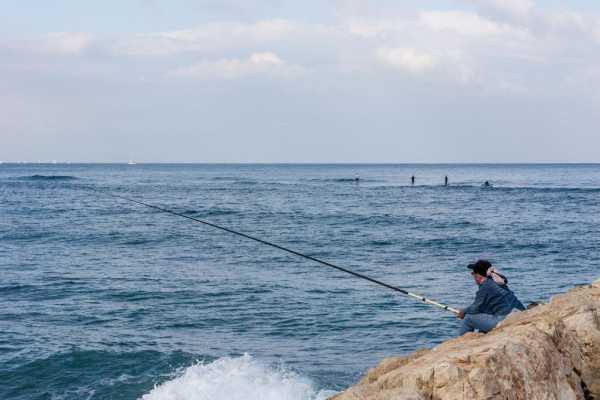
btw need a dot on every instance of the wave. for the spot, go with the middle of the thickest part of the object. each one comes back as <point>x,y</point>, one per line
<point>16,287</point>
<point>209,212</point>
<point>342,180</point>
<point>548,189</point>
<point>494,188</point>
<point>248,182</point>
<point>90,374</point>
<point>240,378</point>
<point>146,240</point>
<point>382,242</point>
<point>48,178</point>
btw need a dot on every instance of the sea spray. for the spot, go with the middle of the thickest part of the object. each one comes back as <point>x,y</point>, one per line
<point>240,378</point>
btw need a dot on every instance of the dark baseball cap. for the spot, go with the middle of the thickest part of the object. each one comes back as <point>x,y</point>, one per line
<point>480,267</point>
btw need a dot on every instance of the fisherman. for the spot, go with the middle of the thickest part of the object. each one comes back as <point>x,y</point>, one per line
<point>493,301</point>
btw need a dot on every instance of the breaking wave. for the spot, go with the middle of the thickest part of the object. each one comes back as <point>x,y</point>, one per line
<point>240,378</point>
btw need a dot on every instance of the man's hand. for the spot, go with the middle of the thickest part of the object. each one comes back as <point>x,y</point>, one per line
<point>461,313</point>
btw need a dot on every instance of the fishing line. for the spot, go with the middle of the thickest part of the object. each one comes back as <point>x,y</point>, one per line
<point>265,242</point>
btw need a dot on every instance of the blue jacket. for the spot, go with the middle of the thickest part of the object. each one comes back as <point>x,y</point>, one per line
<point>492,298</point>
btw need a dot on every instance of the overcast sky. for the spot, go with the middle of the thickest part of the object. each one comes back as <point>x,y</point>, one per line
<point>300,81</point>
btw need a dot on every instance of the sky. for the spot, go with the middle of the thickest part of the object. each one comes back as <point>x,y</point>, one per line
<point>300,81</point>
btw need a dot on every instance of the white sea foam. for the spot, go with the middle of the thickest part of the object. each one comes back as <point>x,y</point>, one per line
<point>241,378</point>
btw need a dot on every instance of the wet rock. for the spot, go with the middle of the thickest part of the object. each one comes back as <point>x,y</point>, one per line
<point>549,352</point>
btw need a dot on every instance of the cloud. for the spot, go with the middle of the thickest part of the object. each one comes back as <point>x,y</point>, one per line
<point>408,59</point>
<point>463,23</point>
<point>60,43</point>
<point>515,8</point>
<point>451,46</point>
<point>475,47</point>
<point>266,63</point>
<point>209,37</point>
<point>571,24</point>
<point>350,73</point>
<point>512,10</point>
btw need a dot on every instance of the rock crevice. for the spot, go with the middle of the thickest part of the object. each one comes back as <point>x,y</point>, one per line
<point>549,352</point>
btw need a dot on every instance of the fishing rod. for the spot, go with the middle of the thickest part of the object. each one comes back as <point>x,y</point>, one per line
<point>328,264</point>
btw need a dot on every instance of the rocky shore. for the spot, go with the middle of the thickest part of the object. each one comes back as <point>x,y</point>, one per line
<point>549,352</point>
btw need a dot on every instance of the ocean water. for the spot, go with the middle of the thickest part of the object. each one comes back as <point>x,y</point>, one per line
<point>105,299</point>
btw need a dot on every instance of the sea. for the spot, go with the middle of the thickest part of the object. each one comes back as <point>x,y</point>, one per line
<point>102,298</point>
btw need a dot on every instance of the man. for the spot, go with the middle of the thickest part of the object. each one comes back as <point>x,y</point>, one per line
<point>493,302</point>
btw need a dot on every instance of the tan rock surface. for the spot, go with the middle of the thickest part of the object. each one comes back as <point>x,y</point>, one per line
<point>549,352</point>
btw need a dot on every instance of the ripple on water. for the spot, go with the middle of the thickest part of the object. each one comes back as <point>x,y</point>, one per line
<point>104,299</point>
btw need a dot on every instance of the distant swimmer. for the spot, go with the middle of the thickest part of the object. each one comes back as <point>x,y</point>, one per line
<point>412,180</point>
<point>486,185</point>
<point>446,180</point>
<point>356,178</point>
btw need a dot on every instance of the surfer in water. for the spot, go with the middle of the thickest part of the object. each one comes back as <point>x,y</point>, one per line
<point>446,180</point>
<point>412,180</point>
<point>486,185</point>
<point>493,301</point>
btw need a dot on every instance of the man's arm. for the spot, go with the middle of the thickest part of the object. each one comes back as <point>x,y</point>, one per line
<point>480,299</point>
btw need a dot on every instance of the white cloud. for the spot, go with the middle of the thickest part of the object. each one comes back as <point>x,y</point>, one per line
<point>510,57</point>
<point>571,23</point>
<point>460,22</point>
<point>453,46</point>
<point>515,10</point>
<point>61,43</point>
<point>469,47</point>
<point>375,29</point>
<point>407,59</point>
<point>68,42</point>
<point>257,64</point>
<point>517,7</point>
<point>216,36</point>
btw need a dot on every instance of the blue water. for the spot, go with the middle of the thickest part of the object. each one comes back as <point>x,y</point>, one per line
<point>104,299</point>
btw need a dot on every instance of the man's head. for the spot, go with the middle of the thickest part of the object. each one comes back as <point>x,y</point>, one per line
<point>479,270</point>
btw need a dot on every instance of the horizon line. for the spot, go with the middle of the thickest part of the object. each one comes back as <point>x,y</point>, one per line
<point>297,163</point>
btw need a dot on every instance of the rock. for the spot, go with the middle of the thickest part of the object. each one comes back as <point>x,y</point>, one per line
<point>549,352</point>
